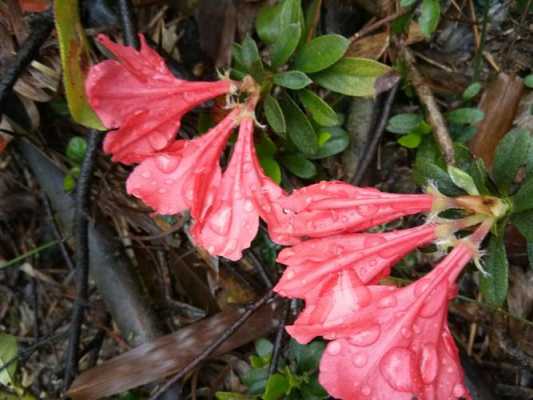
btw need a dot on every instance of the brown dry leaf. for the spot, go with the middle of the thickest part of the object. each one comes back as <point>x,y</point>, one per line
<point>380,8</point>
<point>169,354</point>
<point>499,102</point>
<point>34,5</point>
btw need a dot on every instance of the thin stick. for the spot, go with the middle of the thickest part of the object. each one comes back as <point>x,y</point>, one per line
<point>278,341</point>
<point>214,345</point>
<point>127,20</point>
<point>435,118</point>
<point>81,255</point>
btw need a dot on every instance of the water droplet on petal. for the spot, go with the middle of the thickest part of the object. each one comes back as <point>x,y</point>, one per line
<point>373,240</point>
<point>334,348</point>
<point>289,274</point>
<point>162,190</point>
<point>459,390</point>
<point>367,210</point>
<point>360,360</point>
<point>366,337</point>
<point>406,332</point>
<point>146,174</point>
<point>220,220</point>
<point>397,369</point>
<point>189,194</point>
<point>166,163</point>
<point>386,302</point>
<point>158,141</point>
<point>365,390</point>
<point>248,206</point>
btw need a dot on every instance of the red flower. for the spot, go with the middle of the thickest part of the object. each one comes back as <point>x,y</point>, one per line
<point>397,345</point>
<point>317,268</point>
<point>244,194</point>
<point>138,95</point>
<point>328,208</point>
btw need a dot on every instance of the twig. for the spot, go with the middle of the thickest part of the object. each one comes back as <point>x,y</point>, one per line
<point>40,31</point>
<point>482,39</point>
<point>215,345</point>
<point>57,233</point>
<point>81,255</point>
<point>260,269</point>
<point>378,128</point>
<point>278,341</point>
<point>435,118</point>
<point>127,21</point>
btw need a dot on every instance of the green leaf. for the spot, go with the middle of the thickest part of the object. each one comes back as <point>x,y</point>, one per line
<point>276,387</point>
<point>323,137</point>
<point>352,76</point>
<point>312,18</point>
<point>76,148</point>
<point>528,81</point>
<point>429,17</point>
<point>299,127</point>
<point>265,147</point>
<point>321,53</point>
<point>271,168</point>
<point>298,165</point>
<point>267,23</point>
<point>471,91</point>
<point>407,3</point>
<point>292,80</point>
<point>465,116</point>
<point>75,62</point>
<point>274,115</point>
<point>263,347</point>
<point>233,396</point>
<point>8,350</point>
<point>250,57</point>
<point>463,180</point>
<point>530,254</point>
<point>69,183</point>
<point>286,44</point>
<point>427,172</point>
<point>404,123</point>
<point>524,223</point>
<point>523,199</point>
<point>321,112</point>
<point>411,140</point>
<point>338,142</point>
<point>256,379</point>
<point>494,286</point>
<point>479,174</point>
<point>511,153</point>
<point>307,357</point>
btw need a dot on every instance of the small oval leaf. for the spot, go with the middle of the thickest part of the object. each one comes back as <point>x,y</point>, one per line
<point>274,115</point>
<point>299,127</point>
<point>298,165</point>
<point>336,143</point>
<point>321,112</point>
<point>286,44</point>
<point>294,80</point>
<point>320,53</point>
<point>495,284</point>
<point>463,180</point>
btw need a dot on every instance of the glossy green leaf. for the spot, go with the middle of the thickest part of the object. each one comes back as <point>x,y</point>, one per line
<point>274,115</point>
<point>524,223</point>
<point>286,44</point>
<point>407,3</point>
<point>299,128</point>
<point>255,379</point>
<point>494,286</point>
<point>411,140</point>
<point>271,168</point>
<point>69,183</point>
<point>511,154</point>
<point>233,396</point>
<point>294,80</point>
<point>307,357</point>
<point>263,347</point>
<point>523,199</point>
<point>250,57</point>
<point>465,116</point>
<point>404,123</point>
<point>321,53</point>
<point>323,137</point>
<point>76,148</point>
<point>298,165</point>
<point>267,23</point>
<point>276,388</point>
<point>429,17</point>
<point>528,81</point>
<point>463,180</point>
<point>427,172</point>
<point>75,62</point>
<point>352,76</point>
<point>319,110</point>
<point>8,350</point>
<point>471,91</point>
<point>337,142</point>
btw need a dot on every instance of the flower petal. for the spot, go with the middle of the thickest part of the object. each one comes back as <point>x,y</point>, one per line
<point>139,95</point>
<point>329,208</point>
<point>185,175</point>
<point>369,255</point>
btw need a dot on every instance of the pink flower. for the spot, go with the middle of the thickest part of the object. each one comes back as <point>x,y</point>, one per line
<point>328,208</point>
<point>138,95</point>
<point>244,194</point>
<point>397,345</point>
<point>317,268</point>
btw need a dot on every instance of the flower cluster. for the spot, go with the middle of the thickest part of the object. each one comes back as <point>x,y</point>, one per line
<point>386,342</point>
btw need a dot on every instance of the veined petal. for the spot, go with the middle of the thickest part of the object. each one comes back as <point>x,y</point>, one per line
<point>369,255</point>
<point>138,95</point>
<point>398,346</point>
<point>185,175</point>
<point>329,208</point>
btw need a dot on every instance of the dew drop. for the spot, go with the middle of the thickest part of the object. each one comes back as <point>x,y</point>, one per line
<point>367,210</point>
<point>386,302</point>
<point>334,348</point>
<point>166,163</point>
<point>162,190</point>
<point>189,195</point>
<point>396,368</point>
<point>146,174</point>
<point>429,363</point>
<point>406,332</point>
<point>365,390</point>
<point>220,221</point>
<point>157,140</point>
<point>232,245</point>
<point>290,274</point>
<point>360,360</point>
<point>248,206</point>
<point>366,337</point>
<point>373,241</point>
<point>459,390</point>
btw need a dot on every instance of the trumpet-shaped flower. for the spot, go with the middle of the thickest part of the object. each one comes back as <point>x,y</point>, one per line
<point>328,208</point>
<point>316,266</point>
<point>397,345</point>
<point>244,194</point>
<point>138,95</point>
